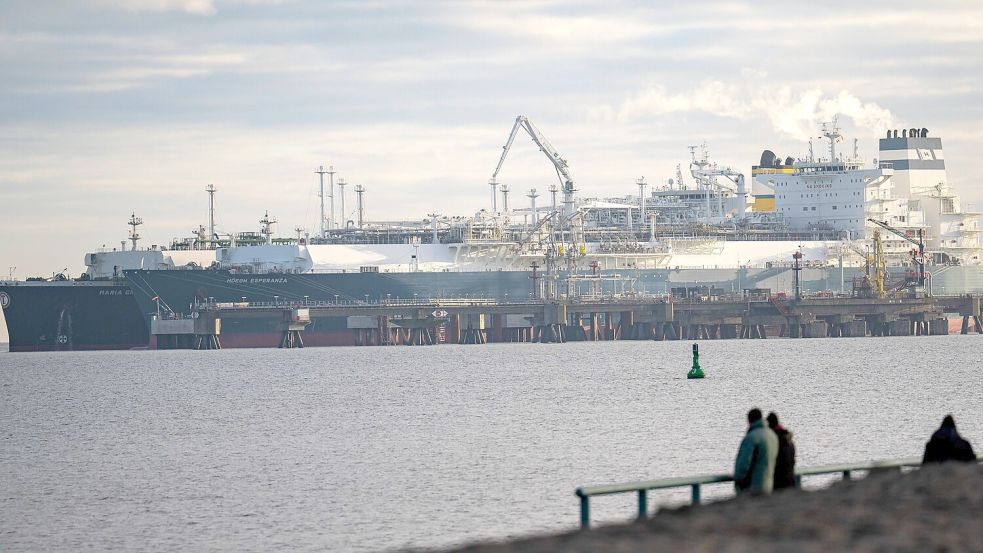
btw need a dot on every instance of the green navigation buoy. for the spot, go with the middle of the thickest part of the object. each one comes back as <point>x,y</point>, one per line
<point>696,371</point>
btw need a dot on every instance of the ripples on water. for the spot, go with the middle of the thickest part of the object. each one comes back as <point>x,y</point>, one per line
<point>365,449</point>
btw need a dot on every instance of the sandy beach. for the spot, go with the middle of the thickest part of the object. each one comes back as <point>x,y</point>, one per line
<point>934,509</point>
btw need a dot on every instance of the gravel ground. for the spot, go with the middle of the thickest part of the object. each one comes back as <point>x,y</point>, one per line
<point>935,509</point>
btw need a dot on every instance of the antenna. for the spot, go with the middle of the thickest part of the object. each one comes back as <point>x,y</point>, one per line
<point>134,222</point>
<point>211,211</point>
<point>505,199</point>
<point>360,191</point>
<point>300,232</point>
<point>267,226</point>
<point>812,158</point>
<point>856,149</point>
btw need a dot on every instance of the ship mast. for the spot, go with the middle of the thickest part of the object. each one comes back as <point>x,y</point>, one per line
<point>267,227</point>
<point>532,195</point>
<point>320,172</point>
<point>134,222</point>
<point>832,132</point>
<point>211,212</point>
<point>360,193</point>
<point>341,187</point>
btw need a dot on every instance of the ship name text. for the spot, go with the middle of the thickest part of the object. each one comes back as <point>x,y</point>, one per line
<point>264,280</point>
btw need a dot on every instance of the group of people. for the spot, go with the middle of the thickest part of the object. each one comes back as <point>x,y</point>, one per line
<point>766,458</point>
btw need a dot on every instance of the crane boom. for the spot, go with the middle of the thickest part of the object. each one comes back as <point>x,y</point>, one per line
<point>919,257</point>
<point>889,228</point>
<point>560,164</point>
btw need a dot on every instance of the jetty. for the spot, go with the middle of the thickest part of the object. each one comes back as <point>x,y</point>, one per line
<point>586,318</point>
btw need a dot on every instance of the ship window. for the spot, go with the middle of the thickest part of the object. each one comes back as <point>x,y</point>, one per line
<point>805,209</point>
<point>834,207</point>
<point>814,208</point>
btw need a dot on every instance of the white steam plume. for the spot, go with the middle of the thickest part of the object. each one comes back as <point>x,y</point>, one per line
<point>793,113</point>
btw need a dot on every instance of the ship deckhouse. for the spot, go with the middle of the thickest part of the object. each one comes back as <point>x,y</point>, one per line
<point>918,164</point>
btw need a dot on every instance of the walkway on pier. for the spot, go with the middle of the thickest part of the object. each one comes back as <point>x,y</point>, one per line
<point>597,318</point>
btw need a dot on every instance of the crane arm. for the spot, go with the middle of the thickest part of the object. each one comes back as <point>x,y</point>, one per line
<point>889,228</point>
<point>560,164</point>
<point>508,146</point>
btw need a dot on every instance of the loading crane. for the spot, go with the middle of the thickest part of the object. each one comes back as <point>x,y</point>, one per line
<point>705,173</point>
<point>873,283</point>
<point>560,164</point>
<point>917,256</point>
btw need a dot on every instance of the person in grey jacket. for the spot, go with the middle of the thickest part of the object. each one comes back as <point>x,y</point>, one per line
<point>754,469</point>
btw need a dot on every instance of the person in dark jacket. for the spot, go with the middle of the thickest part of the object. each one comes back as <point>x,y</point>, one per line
<point>947,445</point>
<point>785,463</point>
<point>754,469</point>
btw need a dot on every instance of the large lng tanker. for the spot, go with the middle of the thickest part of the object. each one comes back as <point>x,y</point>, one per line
<point>713,234</point>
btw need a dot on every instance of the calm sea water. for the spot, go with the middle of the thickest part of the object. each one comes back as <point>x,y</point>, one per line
<point>366,449</point>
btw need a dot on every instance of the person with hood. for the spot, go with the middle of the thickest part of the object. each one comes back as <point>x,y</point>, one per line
<point>754,469</point>
<point>785,462</point>
<point>947,445</point>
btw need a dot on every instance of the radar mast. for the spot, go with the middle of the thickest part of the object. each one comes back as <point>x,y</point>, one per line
<point>134,222</point>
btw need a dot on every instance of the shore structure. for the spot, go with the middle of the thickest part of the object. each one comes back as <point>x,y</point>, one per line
<point>468,321</point>
<point>832,224</point>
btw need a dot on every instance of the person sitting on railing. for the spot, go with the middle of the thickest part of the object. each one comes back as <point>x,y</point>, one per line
<point>754,469</point>
<point>785,462</point>
<point>947,445</point>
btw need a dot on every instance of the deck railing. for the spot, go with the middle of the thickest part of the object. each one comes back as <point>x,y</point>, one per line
<point>696,482</point>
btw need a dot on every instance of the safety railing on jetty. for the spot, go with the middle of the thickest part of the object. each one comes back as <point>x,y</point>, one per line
<point>696,482</point>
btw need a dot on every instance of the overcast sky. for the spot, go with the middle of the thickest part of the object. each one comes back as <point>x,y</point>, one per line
<point>109,107</point>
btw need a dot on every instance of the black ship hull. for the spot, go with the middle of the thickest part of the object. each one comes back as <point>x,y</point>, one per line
<point>179,291</point>
<point>54,316</point>
<point>44,316</point>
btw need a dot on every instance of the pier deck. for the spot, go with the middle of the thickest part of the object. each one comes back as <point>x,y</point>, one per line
<point>587,318</point>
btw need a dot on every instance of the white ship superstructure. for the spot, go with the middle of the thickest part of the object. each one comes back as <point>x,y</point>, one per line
<point>906,189</point>
<point>821,207</point>
<point>918,164</point>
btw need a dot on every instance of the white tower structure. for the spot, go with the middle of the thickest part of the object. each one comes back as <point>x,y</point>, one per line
<point>494,195</point>
<point>211,212</point>
<point>532,195</point>
<point>341,188</point>
<point>505,199</point>
<point>919,173</point>
<point>433,222</point>
<point>320,172</point>
<point>332,220</point>
<point>553,190</point>
<point>360,192</point>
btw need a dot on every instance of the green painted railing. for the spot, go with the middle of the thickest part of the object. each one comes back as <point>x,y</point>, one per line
<point>695,483</point>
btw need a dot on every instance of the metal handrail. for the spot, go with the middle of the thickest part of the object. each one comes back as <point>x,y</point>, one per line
<point>695,482</point>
